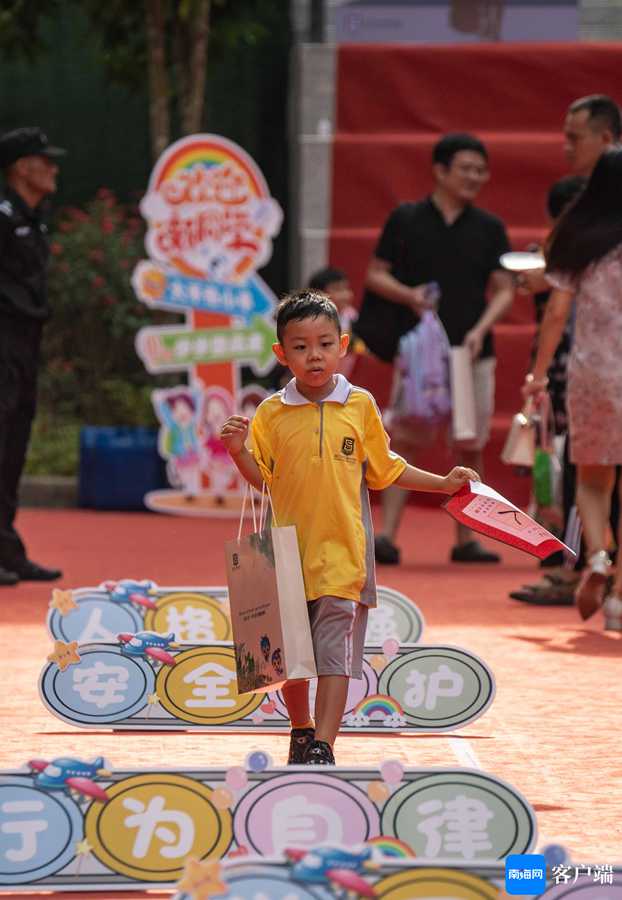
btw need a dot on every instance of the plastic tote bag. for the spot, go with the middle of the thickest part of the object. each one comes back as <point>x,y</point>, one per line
<point>423,363</point>
<point>269,618</point>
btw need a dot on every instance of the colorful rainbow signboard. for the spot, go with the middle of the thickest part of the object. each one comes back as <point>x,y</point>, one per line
<point>210,226</point>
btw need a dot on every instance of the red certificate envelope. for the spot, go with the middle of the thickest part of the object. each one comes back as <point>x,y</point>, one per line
<point>484,510</point>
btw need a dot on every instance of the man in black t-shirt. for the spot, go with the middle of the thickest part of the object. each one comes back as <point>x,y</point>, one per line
<point>28,163</point>
<point>445,239</point>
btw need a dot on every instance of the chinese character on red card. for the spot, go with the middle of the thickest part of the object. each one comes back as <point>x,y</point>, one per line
<point>482,509</point>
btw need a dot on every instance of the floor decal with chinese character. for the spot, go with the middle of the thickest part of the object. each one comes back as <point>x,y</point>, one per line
<point>329,872</point>
<point>195,614</point>
<point>69,823</point>
<point>146,682</point>
<point>321,874</point>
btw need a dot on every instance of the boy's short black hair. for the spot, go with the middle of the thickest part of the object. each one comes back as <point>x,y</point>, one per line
<point>320,280</point>
<point>304,304</point>
<point>445,150</point>
<point>562,193</point>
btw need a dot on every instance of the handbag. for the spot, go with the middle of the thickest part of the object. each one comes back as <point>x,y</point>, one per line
<point>268,604</point>
<point>520,445</point>
<point>547,466</point>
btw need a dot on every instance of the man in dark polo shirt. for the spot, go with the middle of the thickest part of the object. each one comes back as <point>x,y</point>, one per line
<point>28,163</point>
<point>445,239</point>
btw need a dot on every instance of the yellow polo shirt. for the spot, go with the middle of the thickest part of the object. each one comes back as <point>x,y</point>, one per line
<point>318,460</point>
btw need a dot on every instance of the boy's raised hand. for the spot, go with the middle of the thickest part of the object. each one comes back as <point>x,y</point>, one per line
<point>458,477</point>
<point>233,433</point>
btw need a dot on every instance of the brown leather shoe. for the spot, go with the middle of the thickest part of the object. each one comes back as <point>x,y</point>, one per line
<point>546,595</point>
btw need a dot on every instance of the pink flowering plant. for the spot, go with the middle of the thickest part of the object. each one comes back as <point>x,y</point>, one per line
<point>90,369</point>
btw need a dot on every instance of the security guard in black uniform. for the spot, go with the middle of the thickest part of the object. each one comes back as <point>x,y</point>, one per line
<point>28,163</point>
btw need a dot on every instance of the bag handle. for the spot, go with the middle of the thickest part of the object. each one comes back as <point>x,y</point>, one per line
<point>265,491</point>
<point>545,424</point>
<point>263,509</point>
<point>527,409</point>
<point>248,491</point>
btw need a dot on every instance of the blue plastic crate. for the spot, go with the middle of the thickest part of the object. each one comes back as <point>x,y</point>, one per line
<point>118,466</point>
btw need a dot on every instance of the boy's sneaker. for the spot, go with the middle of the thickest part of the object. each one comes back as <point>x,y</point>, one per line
<point>319,753</point>
<point>300,739</point>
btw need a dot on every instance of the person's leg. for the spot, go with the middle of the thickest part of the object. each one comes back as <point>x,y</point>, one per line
<point>338,629</point>
<point>10,544</point>
<point>472,459</point>
<point>614,512</point>
<point>330,703</point>
<point>296,699</point>
<point>393,500</point>
<point>15,425</point>
<point>594,486</point>
<point>612,607</point>
<point>470,454</point>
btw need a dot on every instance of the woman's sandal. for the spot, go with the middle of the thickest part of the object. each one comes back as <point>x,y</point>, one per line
<point>592,586</point>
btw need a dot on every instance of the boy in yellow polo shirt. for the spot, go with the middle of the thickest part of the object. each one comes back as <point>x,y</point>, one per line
<point>319,444</point>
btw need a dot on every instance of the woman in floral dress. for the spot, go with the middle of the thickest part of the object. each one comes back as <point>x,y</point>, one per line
<point>584,261</point>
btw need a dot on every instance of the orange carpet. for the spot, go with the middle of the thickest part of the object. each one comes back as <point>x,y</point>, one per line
<point>552,731</point>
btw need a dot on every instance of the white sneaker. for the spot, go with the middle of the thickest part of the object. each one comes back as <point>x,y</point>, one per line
<point>600,563</point>
<point>612,608</point>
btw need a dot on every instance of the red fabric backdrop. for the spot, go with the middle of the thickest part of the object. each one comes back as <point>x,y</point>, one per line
<point>394,102</point>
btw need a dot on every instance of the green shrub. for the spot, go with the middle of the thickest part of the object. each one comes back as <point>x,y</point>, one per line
<point>54,447</point>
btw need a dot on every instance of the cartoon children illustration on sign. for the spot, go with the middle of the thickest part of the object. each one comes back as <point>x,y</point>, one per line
<point>218,406</point>
<point>179,411</point>
<point>249,399</point>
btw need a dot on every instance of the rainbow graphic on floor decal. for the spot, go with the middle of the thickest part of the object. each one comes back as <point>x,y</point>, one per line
<point>391,847</point>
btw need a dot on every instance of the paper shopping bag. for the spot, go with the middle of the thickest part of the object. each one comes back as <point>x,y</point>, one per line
<point>520,445</point>
<point>269,619</point>
<point>482,509</point>
<point>464,420</point>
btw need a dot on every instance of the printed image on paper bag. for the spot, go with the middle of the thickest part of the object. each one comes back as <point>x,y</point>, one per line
<point>255,620</point>
<point>269,619</point>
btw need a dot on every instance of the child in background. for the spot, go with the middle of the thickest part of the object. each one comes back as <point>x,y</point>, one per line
<point>334,283</point>
<point>315,443</point>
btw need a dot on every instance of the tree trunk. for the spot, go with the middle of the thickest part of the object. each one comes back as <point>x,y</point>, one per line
<point>159,116</point>
<point>192,81</point>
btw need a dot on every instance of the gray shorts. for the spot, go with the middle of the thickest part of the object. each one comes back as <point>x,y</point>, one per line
<point>338,632</point>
